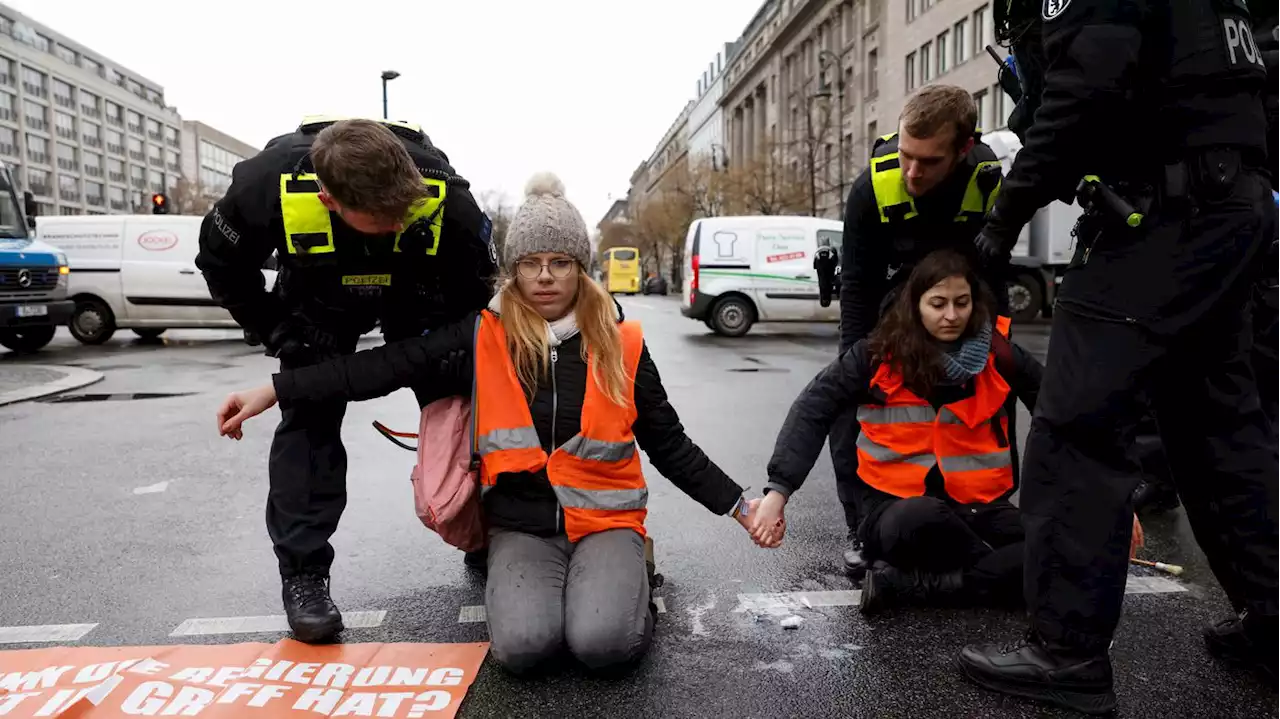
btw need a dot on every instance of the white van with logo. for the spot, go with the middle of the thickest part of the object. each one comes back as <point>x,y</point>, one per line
<point>743,270</point>
<point>135,272</point>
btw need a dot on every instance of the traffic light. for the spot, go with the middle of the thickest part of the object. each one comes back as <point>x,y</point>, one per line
<point>159,204</point>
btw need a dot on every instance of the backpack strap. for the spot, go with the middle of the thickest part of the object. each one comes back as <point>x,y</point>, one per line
<point>1003,350</point>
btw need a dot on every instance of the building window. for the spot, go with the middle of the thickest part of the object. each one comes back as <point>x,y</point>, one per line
<point>984,110</point>
<point>67,159</point>
<point>171,136</point>
<point>135,122</point>
<point>91,65</point>
<point>69,188</point>
<point>33,82</point>
<point>138,177</point>
<point>6,71</point>
<point>911,10</point>
<point>90,134</point>
<point>135,149</point>
<point>872,136</point>
<point>873,73</point>
<point>66,54</point>
<point>910,71</point>
<point>95,194</point>
<point>155,155</point>
<point>92,164</point>
<point>115,114</point>
<point>116,196</point>
<point>8,106</point>
<point>960,41</point>
<point>115,170</point>
<point>24,33</point>
<point>89,104</point>
<point>981,29</point>
<point>157,181</point>
<point>64,125</point>
<point>172,162</point>
<point>1001,103</point>
<point>36,115</point>
<point>926,63</point>
<point>62,95</point>
<point>8,142</point>
<point>943,59</point>
<point>37,149</point>
<point>115,142</point>
<point>40,182</point>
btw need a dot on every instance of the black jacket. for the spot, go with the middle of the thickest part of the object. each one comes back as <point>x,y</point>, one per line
<point>245,227</point>
<point>877,256</point>
<point>846,383</point>
<point>522,502</point>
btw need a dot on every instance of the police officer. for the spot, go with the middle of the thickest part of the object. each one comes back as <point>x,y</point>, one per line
<point>1152,113</point>
<point>928,187</point>
<point>371,225</point>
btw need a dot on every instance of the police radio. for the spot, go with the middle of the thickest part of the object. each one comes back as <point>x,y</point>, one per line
<point>826,261</point>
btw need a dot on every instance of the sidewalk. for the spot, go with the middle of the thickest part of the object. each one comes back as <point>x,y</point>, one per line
<point>21,382</point>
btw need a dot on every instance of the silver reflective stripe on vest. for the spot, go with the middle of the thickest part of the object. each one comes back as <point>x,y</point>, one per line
<point>873,414</point>
<point>597,450</point>
<point>975,462</point>
<point>884,454</point>
<point>607,499</point>
<point>517,438</point>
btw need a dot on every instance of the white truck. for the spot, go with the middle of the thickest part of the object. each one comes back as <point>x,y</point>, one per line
<point>1044,248</point>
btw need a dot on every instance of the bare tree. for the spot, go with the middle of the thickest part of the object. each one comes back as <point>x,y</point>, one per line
<point>661,222</point>
<point>186,197</point>
<point>765,185</point>
<point>501,211</point>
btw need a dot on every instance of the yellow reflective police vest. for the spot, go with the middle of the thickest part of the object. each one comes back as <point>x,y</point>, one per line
<point>308,229</point>
<point>895,205</point>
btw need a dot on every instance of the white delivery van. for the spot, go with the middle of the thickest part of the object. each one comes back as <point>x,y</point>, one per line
<point>743,270</point>
<point>135,272</point>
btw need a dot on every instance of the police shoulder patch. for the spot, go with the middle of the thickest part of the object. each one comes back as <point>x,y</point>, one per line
<point>1054,8</point>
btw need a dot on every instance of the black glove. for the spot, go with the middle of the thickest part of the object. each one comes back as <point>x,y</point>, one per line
<point>997,238</point>
<point>300,343</point>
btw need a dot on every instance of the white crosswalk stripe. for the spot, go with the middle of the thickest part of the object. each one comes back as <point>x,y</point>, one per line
<point>272,623</point>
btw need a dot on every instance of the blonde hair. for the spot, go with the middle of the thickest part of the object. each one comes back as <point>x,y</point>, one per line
<point>597,322</point>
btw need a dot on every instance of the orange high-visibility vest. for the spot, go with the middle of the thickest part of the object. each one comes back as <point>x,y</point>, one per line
<point>595,473</point>
<point>904,438</point>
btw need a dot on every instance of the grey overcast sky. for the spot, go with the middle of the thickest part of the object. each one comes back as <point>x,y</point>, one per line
<point>582,88</point>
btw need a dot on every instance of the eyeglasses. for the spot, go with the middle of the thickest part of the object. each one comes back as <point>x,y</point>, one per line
<point>530,269</point>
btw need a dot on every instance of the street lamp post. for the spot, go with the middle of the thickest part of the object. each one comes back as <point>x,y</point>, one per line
<point>825,91</point>
<point>387,75</point>
<point>811,150</point>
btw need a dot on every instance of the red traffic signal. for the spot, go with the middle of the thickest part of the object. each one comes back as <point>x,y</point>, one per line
<point>159,204</point>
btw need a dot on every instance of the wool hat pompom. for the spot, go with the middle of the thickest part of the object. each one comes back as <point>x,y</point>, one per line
<point>546,222</point>
<point>544,183</point>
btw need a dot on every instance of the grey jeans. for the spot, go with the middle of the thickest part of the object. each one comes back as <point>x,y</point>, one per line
<point>544,593</point>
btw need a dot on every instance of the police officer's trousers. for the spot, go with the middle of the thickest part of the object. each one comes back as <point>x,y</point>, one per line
<point>1180,335</point>
<point>308,476</point>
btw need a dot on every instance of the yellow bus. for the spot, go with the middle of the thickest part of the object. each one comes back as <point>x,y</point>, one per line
<point>621,267</point>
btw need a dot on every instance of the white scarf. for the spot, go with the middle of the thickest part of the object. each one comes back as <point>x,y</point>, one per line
<point>558,331</point>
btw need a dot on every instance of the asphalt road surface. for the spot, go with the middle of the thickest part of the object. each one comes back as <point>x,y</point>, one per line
<point>129,513</point>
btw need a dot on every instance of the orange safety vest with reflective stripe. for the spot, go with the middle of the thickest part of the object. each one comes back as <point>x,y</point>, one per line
<point>968,441</point>
<point>596,473</point>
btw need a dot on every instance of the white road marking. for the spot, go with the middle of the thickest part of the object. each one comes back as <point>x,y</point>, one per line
<point>638,303</point>
<point>472,613</point>
<point>273,623</point>
<point>786,603</point>
<point>661,604</point>
<point>44,633</point>
<point>152,488</point>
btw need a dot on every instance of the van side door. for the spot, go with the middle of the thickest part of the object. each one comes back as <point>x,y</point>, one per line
<point>787,285</point>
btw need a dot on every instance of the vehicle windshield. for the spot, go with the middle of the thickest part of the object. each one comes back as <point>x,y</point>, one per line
<point>11,222</point>
<point>624,255</point>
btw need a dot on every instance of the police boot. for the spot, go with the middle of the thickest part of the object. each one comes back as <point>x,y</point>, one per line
<point>477,560</point>
<point>886,586</point>
<point>1151,497</point>
<point>1228,640</point>
<point>854,564</point>
<point>1032,669</point>
<point>313,616</point>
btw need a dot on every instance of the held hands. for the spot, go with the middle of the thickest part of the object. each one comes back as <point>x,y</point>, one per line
<point>241,406</point>
<point>766,522</point>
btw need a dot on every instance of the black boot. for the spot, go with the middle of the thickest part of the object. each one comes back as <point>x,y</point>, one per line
<point>854,565</point>
<point>1154,497</point>
<point>1029,669</point>
<point>313,616</point>
<point>887,586</point>
<point>477,560</point>
<point>1229,641</point>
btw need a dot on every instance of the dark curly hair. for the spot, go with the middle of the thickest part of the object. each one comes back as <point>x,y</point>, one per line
<point>901,337</point>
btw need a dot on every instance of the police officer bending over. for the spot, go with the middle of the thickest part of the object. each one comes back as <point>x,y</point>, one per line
<point>371,225</point>
<point>1152,113</point>
<point>929,187</point>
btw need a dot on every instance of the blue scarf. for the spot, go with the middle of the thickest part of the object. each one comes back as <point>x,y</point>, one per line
<point>964,362</point>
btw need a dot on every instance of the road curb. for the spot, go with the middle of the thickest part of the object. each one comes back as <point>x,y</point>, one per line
<point>76,377</point>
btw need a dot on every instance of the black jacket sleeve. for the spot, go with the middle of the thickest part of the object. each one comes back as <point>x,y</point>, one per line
<point>863,265</point>
<point>659,433</point>
<point>468,259</point>
<point>1025,382</point>
<point>1092,49</point>
<point>442,356</point>
<point>842,384</point>
<point>237,237</point>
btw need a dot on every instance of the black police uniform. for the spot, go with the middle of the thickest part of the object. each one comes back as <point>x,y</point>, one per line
<point>1162,100</point>
<point>334,285</point>
<point>885,234</point>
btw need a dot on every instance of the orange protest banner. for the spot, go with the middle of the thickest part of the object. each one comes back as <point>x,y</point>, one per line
<point>240,681</point>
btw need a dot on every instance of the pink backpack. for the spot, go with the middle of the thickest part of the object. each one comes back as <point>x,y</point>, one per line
<point>446,478</point>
